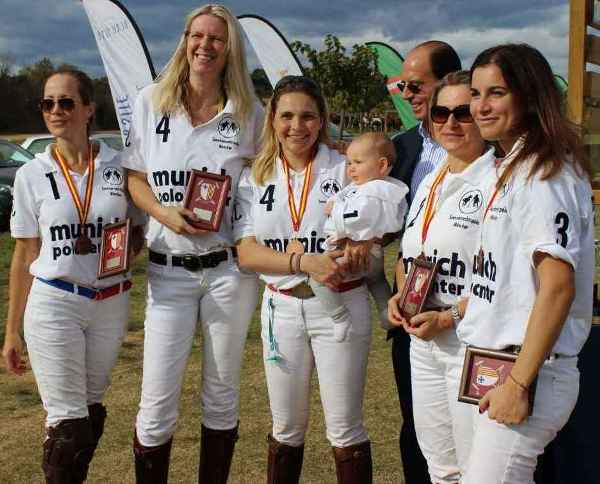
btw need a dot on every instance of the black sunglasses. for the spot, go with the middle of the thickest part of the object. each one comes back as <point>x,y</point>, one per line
<point>462,113</point>
<point>65,104</point>
<point>412,86</point>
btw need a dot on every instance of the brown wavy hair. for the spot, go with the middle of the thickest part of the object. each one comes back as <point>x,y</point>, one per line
<point>548,135</point>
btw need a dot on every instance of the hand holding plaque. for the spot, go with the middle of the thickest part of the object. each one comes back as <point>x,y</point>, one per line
<point>114,249</point>
<point>206,197</point>
<point>485,369</point>
<point>417,287</point>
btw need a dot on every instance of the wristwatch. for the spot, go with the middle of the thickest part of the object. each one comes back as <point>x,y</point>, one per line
<point>456,317</point>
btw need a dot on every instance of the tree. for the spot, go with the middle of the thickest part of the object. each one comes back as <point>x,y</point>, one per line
<point>349,83</point>
<point>262,86</point>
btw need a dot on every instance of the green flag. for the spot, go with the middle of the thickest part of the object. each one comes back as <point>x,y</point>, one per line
<point>389,63</point>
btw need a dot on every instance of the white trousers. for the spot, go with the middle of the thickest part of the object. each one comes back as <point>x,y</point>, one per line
<point>223,300</point>
<point>444,425</point>
<point>73,343</point>
<point>302,332</point>
<point>507,454</point>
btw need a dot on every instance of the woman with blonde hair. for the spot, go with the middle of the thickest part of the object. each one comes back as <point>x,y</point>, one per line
<point>200,114</point>
<point>280,234</point>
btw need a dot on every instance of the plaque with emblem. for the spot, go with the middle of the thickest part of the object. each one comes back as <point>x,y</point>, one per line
<point>484,370</point>
<point>417,287</point>
<point>206,196</point>
<point>114,249</point>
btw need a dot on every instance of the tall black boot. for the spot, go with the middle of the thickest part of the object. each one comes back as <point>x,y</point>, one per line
<point>152,463</point>
<point>216,452</point>
<point>68,450</point>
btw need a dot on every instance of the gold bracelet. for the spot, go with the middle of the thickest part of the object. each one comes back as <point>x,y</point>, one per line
<point>290,262</point>
<point>519,384</point>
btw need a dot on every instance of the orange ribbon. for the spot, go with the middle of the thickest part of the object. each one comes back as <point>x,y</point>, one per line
<point>294,212</point>
<point>82,209</point>
<point>430,208</point>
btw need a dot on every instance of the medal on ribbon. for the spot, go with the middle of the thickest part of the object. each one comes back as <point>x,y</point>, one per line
<point>83,244</point>
<point>419,280</point>
<point>296,214</point>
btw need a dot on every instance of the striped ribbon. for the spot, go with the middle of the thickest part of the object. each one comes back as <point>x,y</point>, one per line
<point>82,209</point>
<point>295,213</point>
<point>430,208</point>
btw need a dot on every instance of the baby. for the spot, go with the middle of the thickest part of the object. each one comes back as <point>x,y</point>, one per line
<point>372,205</point>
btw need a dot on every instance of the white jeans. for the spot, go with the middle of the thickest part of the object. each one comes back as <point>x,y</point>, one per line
<point>73,343</point>
<point>507,454</point>
<point>223,300</point>
<point>444,425</point>
<point>303,334</point>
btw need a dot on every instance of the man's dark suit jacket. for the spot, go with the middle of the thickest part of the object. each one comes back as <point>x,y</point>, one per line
<point>408,149</point>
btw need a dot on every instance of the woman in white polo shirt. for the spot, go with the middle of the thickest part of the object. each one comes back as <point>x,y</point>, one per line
<point>74,323</point>
<point>200,114</point>
<point>531,289</point>
<point>281,235</point>
<point>443,224</point>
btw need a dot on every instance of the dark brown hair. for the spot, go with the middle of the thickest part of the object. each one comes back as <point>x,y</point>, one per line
<point>548,134</point>
<point>85,88</point>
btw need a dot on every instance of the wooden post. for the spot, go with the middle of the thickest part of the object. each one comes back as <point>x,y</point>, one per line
<point>579,16</point>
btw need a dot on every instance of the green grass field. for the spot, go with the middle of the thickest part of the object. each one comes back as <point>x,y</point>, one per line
<point>22,415</point>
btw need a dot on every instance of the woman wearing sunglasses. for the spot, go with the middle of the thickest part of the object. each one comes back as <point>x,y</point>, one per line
<point>280,234</point>
<point>73,322</point>
<point>532,293</point>
<point>442,226</point>
<point>201,114</point>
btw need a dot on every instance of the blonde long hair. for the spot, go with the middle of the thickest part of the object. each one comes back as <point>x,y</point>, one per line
<point>170,94</point>
<point>262,167</point>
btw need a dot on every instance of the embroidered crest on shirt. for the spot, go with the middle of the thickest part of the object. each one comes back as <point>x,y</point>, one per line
<point>471,201</point>
<point>330,187</point>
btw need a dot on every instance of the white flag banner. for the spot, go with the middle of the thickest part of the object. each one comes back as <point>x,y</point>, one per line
<point>271,48</point>
<point>124,54</point>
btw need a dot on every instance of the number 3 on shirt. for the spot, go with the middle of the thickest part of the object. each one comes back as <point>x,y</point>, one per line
<point>562,220</point>
<point>163,128</point>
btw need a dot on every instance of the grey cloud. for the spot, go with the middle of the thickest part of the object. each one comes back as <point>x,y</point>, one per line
<point>59,29</point>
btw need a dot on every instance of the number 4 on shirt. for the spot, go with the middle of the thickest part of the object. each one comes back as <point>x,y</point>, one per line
<point>267,198</point>
<point>163,128</point>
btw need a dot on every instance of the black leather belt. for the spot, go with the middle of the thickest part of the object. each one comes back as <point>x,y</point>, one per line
<point>192,262</point>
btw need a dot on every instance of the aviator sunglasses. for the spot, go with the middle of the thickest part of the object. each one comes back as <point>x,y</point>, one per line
<point>462,113</point>
<point>412,86</point>
<point>65,104</point>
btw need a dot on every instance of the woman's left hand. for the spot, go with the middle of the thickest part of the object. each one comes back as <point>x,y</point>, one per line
<point>357,256</point>
<point>507,404</point>
<point>428,325</point>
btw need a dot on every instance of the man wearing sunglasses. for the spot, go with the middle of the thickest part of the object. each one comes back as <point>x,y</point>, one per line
<point>417,154</point>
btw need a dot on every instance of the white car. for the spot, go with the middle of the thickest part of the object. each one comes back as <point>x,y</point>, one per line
<point>37,144</point>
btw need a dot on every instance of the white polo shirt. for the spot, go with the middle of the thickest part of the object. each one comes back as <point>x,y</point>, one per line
<point>553,216</point>
<point>454,229</point>
<point>263,210</point>
<point>367,211</point>
<point>44,208</point>
<point>166,149</point>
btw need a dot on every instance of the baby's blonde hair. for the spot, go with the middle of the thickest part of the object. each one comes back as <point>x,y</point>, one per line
<point>381,145</point>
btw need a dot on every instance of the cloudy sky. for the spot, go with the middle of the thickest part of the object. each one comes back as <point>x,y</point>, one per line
<point>59,29</point>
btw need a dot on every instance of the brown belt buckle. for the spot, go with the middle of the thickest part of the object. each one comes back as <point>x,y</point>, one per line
<point>302,291</point>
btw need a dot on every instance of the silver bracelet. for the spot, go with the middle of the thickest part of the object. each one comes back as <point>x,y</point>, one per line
<point>456,317</point>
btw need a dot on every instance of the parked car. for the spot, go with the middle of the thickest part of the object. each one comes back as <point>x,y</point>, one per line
<point>37,144</point>
<point>12,157</point>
